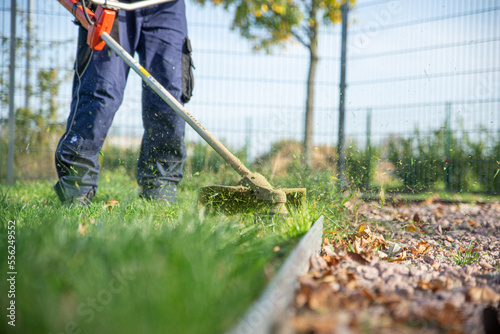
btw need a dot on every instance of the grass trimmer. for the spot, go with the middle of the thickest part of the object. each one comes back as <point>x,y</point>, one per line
<point>253,193</point>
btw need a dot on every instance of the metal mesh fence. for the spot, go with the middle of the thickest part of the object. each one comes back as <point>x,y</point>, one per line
<point>419,73</point>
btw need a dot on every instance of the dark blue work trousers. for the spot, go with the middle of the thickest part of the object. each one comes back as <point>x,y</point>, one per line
<point>157,34</point>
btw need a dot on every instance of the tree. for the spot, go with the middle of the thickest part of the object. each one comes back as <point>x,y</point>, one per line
<point>273,23</point>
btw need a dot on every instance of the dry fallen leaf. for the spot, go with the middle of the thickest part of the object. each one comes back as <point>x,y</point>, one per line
<point>401,256</point>
<point>360,244</point>
<point>84,224</point>
<point>439,212</point>
<point>485,265</point>
<point>320,297</point>
<point>471,250</point>
<point>412,228</point>
<point>429,200</point>
<point>313,322</point>
<point>361,228</point>
<point>369,294</point>
<point>476,249</point>
<point>83,228</point>
<point>87,219</point>
<point>332,260</point>
<point>421,248</point>
<point>317,263</point>
<point>449,317</point>
<point>358,257</point>
<point>301,299</point>
<point>483,294</point>
<point>111,204</point>
<point>326,241</point>
<point>382,255</point>
<point>328,278</point>
<point>435,284</point>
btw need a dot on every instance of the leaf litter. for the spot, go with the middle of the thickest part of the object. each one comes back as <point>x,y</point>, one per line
<point>417,268</point>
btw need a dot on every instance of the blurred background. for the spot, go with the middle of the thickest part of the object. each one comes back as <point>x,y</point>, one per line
<point>422,96</point>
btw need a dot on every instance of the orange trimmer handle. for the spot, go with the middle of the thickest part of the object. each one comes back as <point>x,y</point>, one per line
<point>77,10</point>
<point>103,22</point>
<point>103,19</point>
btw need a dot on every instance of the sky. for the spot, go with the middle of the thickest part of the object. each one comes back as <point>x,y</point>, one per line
<point>408,61</point>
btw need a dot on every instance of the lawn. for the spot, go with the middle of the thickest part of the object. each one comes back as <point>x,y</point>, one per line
<point>125,265</point>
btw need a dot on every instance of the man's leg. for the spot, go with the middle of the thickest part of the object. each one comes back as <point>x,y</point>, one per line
<point>163,150</point>
<point>98,85</point>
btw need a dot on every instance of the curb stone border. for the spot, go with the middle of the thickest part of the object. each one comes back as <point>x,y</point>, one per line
<point>270,308</point>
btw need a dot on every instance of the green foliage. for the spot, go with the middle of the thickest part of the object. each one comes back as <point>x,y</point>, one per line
<point>36,125</point>
<point>485,163</point>
<point>37,130</point>
<point>417,160</point>
<point>359,166</point>
<point>358,163</point>
<point>445,159</point>
<point>5,74</point>
<point>267,23</point>
<point>203,159</point>
<point>113,158</point>
<point>270,23</point>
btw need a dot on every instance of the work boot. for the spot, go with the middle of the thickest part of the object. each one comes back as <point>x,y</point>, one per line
<point>83,200</point>
<point>165,194</point>
<point>160,200</point>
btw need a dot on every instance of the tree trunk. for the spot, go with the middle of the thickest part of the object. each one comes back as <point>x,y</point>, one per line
<point>309,119</point>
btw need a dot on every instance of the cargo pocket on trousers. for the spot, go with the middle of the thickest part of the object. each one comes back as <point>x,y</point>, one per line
<point>83,52</point>
<point>187,71</point>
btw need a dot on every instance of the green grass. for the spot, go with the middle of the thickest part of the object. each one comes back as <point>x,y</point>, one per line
<point>421,196</point>
<point>462,256</point>
<point>139,267</point>
<point>466,257</point>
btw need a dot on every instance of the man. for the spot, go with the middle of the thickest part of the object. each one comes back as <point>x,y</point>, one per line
<point>159,35</point>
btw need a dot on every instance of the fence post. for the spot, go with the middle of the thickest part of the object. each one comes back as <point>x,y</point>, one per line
<point>341,146</point>
<point>12,87</point>
<point>29,29</point>
<point>447,147</point>
<point>368,145</point>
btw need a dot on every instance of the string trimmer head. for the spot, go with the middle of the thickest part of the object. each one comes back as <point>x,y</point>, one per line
<point>253,194</point>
